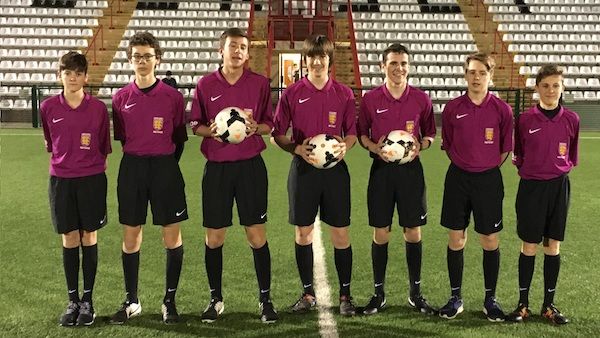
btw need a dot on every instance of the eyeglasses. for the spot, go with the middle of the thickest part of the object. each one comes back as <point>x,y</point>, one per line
<point>145,57</point>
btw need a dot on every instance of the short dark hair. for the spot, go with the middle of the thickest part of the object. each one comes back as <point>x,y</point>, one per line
<point>232,32</point>
<point>169,73</point>
<point>393,48</point>
<point>484,58</point>
<point>73,61</point>
<point>547,70</point>
<point>318,45</point>
<point>144,39</point>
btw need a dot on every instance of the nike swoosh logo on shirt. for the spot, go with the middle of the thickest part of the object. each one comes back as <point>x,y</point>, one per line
<point>303,100</point>
<point>458,117</point>
<point>57,120</point>
<point>533,131</point>
<point>127,106</point>
<point>379,111</point>
<point>214,98</point>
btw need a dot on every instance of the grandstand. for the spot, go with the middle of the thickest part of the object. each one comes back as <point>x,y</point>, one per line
<point>523,35</point>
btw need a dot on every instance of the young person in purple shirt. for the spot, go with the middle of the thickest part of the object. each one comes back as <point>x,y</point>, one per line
<point>317,104</point>
<point>149,120</point>
<point>546,140</point>
<point>396,106</point>
<point>77,134</point>
<point>234,171</point>
<point>477,137</point>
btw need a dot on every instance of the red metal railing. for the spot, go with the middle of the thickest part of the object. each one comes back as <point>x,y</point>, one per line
<point>111,15</point>
<point>354,51</point>
<point>93,46</point>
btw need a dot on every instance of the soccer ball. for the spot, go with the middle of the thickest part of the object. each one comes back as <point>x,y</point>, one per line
<point>399,146</point>
<point>231,125</point>
<point>323,156</point>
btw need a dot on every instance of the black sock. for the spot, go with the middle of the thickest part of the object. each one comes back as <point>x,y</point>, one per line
<point>304,261</point>
<point>131,268</point>
<point>379,258</point>
<point>414,252</point>
<point>89,266</point>
<point>213,261</point>
<point>551,269</point>
<point>71,267</point>
<point>262,266</point>
<point>173,271</point>
<point>343,265</point>
<point>491,267</point>
<point>455,261</point>
<point>526,266</point>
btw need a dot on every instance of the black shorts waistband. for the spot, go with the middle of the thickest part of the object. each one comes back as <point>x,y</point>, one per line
<point>470,173</point>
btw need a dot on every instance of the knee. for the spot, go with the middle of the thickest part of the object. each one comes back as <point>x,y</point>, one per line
<point>457,240</point>
<point>381,235</point>
<point>412,235</point>
<point>304,235</point>
<point>340,238</point>
<point>257,241</point>
<point>489,242</point>
<point>551,247</point>
<point>529,249</point>
<point>132,239</point>
<point>71,239</point>
<point>214,239</point>
<point>89,238</point>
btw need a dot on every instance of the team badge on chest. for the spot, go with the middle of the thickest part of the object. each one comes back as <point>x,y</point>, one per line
<point>332,118</point>
<point>158,125</point>
<point>489,136</point>
<point>410,126</point>
<point>562,150</point>
<point>85,140</point>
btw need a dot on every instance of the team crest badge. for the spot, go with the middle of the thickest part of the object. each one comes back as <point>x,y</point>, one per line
<point>85,140</point>
<point>410,126</point>
<point>562,150</point>
<point>157,125</point>
<point>332,118</point>
<point>489,136</point>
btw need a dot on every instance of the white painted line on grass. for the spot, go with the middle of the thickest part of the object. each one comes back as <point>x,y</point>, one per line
<point>327,324</point>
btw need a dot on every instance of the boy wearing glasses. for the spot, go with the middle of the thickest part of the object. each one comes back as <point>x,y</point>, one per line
<point>149,120</point>
<point>77,133</point>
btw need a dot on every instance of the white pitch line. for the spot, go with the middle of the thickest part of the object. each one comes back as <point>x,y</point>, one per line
<point>327,324</point>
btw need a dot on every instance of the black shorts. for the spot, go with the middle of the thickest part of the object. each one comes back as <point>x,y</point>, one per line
<point>311,189</point>
<point>482,193</point>
<point>400,185</point>
<point>78,203</point>
<point>245,181</point>
<point>154,179</point>
<point>542,208</point>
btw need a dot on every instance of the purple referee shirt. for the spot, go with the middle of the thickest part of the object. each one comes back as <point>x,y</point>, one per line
<point>78,138</point>
<point>546,148</point>
<point>474,136</point>
<point>147,122</point>
<point>251,92</point>
<point>380,113</point>
<point>311,111</point>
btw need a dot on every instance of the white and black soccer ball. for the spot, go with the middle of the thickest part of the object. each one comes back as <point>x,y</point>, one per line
<point>231,125</point>
<point>399,146</point>
<point>323,152</point>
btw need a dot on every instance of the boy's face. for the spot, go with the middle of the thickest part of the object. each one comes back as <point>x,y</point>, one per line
<point>550,88</point>
<point>235,52</point>
<point>318,66</point>
<point>144,60</point>
<point>396,68</point>
<point>478,77</point>
<point>73,80</point>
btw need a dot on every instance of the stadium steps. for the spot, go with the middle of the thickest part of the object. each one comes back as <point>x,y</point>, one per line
<point>344,61</point>
<point>489,40</point>
<point>260,51</point>
<point>112,34</point>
